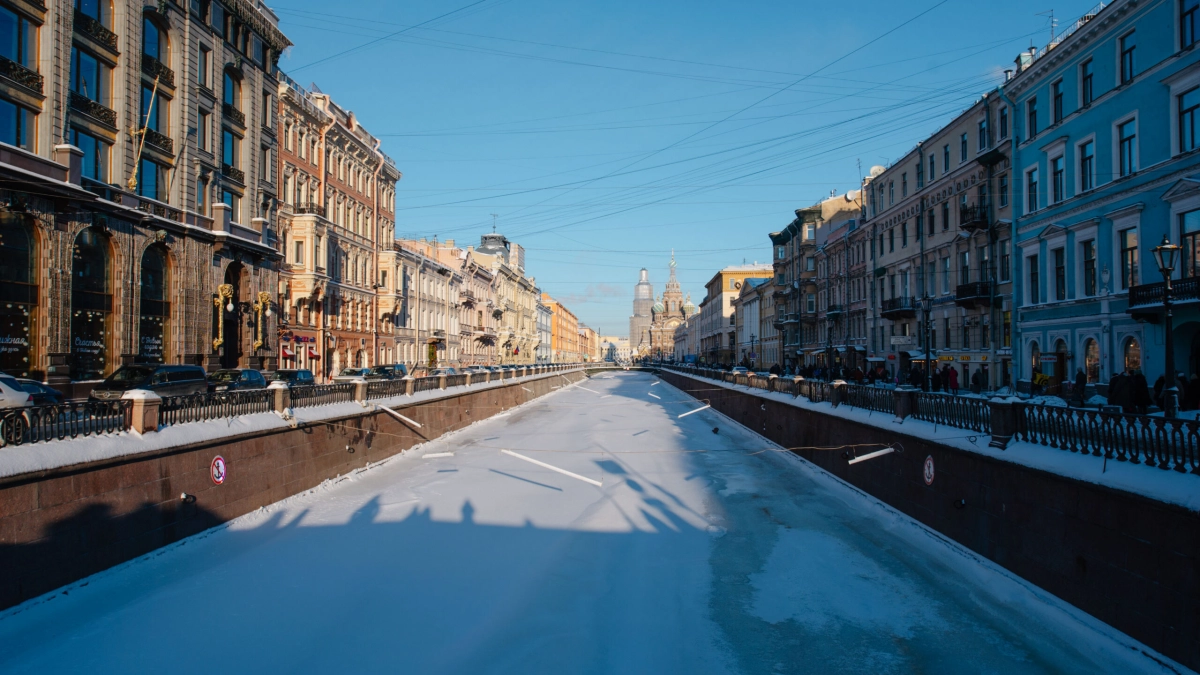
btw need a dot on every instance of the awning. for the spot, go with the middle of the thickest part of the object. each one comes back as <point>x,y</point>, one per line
<point>875,359</point>
<point>312,354</point>
<point>919,354</point>
<point>288,353</point>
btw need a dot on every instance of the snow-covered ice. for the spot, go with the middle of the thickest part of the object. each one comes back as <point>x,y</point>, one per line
<point>700,553</point>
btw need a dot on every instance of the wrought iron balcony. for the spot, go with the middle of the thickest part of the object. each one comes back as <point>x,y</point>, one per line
<point>308,207</point>
<point>899,308</point>
<point>233,173</point>
<point>159,141</point>
<point>94,110</point>
<point>978,293</point>
<point>96,31</point>
<point>233,114</point>
<point>159,209</point>
<point>157,69</point>
<point>835,311</point>
<point>1146,301</point>
<point>973,217</point>
<point>21,75</point>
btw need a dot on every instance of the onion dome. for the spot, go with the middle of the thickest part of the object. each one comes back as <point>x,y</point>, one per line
<point>659,307</point>
<point>688,308</point>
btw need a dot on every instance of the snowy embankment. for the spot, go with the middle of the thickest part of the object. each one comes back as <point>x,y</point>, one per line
<point>23,459</point>
<point>1165,486</point>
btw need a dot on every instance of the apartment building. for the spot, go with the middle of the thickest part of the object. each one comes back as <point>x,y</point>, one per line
<point>716,338</point>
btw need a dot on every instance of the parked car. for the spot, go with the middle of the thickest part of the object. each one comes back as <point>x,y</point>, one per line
<point>42,394</point>
<point>443,371</point>
<point>163,380</point>
<point>350,375</point>
<point>293,377</point>
<point>236,379</point>
<point>739,370</point>
<point>12,394</point>
<point>396,371</point>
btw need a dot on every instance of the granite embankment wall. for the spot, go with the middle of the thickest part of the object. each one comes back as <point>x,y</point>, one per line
<point>61,525</point>
<point>1128,560</point>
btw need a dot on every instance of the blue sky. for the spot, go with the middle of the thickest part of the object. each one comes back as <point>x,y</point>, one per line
<point>602,135</point>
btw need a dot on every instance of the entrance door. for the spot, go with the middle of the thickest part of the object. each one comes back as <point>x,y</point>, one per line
<point>1060,369</point>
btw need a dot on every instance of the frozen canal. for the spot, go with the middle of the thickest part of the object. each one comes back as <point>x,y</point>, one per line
<point>700,553</point>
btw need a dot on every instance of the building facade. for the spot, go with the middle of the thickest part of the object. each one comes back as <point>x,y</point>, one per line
<point>517,299</point>
<point>114,250</point>
<point>545,319</point>
<point>1105,153</point>
<point>564,333</point>
<point>717,337</point>
<point>668,312</point>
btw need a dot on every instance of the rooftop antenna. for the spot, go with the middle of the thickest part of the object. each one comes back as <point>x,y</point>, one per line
<point>1053,23</point>
<point>494,216</point>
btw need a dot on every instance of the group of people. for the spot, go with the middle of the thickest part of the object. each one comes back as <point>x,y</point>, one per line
<point>1130,391</point>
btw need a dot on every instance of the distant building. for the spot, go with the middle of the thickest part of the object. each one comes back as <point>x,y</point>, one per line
<point>716,334</point>
<point>614,349</point>
<point>643,305</point>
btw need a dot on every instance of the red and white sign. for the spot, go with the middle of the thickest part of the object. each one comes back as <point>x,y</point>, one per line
<point>929,470</point>
<point>217,470</point>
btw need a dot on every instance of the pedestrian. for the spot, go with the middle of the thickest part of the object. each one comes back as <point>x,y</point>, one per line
<point>953,374</point>
<point>1139,392</point>
<point>1193,392</point>
<point>935,380</point>
<point>1080,385</point>
<point>1118,392</point>
<point>775,369</point>
<point>976,381</point>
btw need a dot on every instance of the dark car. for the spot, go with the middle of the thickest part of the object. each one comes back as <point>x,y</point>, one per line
<point>236,379</point>
<point>42,394</point>
<point>393,372</point>
<point>163,380</point>
<point>294,378</point>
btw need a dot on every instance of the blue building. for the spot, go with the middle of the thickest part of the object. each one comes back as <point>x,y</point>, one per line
<point>1105,163</point>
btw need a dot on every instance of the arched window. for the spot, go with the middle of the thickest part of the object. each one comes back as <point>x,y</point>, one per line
<point>1035,358</point>
<point>156,309</point>
<point>1132,351</point>
<point>91,306</point>
<point>1091,360</point>
<point>155,42</point>
<point>18,296</point>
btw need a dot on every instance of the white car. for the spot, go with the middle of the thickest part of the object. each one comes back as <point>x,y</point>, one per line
<point>351,375</point>
<point>739,370</point>
<point>13,421</point>
<point>12,395</point>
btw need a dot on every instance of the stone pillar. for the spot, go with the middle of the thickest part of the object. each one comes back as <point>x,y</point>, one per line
<point>283,396</point>
<point>1004,421</point>
<point>839,392</point>
<point>72,158</point>
<point>143,415</point>
<point>906,401</point>
<point>222,215</point>
<point>408,387</point>
<point>468,378</point>
<point>441,381</point>
<point>360,391</point>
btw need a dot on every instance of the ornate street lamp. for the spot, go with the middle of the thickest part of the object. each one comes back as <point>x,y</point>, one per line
<point>1166,255</point>
<point>927,311</point>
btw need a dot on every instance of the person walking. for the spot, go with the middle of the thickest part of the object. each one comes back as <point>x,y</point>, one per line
<point>1140,392</point>
<point>953,374</point>
<point>1080,386</point>
<point>977,381</point>
<point>935,380</point>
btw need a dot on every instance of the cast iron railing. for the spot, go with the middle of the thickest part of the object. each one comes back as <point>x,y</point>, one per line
<point>954,411</point>
<point>38,424</point>
<point>425,384</point>
<point>870,398</point>
<point>386,388</point>
<point>217,405</point>
<point>456,380</point>
<point>320,394</point>
<point>1138,439</point>
<point>21,75</point>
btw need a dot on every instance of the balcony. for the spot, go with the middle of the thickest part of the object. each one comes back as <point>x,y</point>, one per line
<point>973,218</point>
<point>21,75</point>
<point>233,173</point>
<point>899,308</point>
<point>157,208</point>
<point>1146,301</point>
<point>233,114</point>
<point>86,106</point>
<point>158,70</point>
<point>977,294</point>
<point>159,141</point>
<point>96,31</point>
<point>835,311</point>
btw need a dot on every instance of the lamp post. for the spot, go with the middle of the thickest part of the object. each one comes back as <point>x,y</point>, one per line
<point>1166,255</point>
<point>927,310</point>
<point>753,359</point>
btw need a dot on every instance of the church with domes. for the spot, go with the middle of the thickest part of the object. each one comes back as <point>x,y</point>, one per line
<point>656,337</point>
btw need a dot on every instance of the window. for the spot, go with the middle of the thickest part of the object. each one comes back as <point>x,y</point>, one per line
<point>946,274</point>
<point>920,175</point>
<point>1189,231</point>
<point>962,148</point>
<point>1127,147</point>
<point>1087,87</point>
<point>1035,295</point>
<point>946,333</point>
<point>1091,360</point>
<point>100,10</point>
<point>153,180</point>
<point>983,134</point>
<point>1004,122</point>
<point>904,185</point>
<point>155,43</point>
<point>1189,102</point>
<point>231,91</point>
<point>1004,190</point>
<point>264,163</point>
<point>1087,166</point>
<point>1060,274</point>
<point>932,167</point>
<point>202,196</point>
<point>810,303</point>
<point>1133,354</point>
<point>1056,101</point>
<point>892,240</point>
<point>96,154</point>
<point>810,231</point>
<point>964,267</point>
<point>945,216</point>
<point>204,131</point>
<point>1031,188</point>
<point>234,201</point>
<point>1031,115</point>
<point>945,159</point>
<point>90,77</point>
<point>1087,251</point>
<point>155,113</point>
<point>1058,177</point>
<point>18,125</point>
<point>931,221</point>
<point>204,67</point>
<point>1129,258</point>
<point>904,235</point>
<point>780,253</point>
<point>810,264</point>
<point>1128,66</point>
<point>18,39</point>
<point>1006,335</point>
<point>1188,13</point>
<point>891,192</point>
<point>231,154</point>
<point>1005,259</point>
<point>966,333</point>
<point>217,19</point>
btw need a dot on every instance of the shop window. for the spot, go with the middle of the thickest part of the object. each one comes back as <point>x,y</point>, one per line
<point>155,306</point>
<point>91,306</point>
<point>18,296</point>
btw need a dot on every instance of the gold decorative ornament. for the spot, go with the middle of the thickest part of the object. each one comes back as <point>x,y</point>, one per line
<point>224,295</point>
<point>263,306</point>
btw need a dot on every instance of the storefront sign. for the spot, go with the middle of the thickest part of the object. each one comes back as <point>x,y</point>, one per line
<point>902,340</point>
<point>1049,358</point>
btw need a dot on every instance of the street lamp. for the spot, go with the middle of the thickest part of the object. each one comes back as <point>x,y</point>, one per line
<point>927,309</point>
<point>1166,255</point>
<point>752,355</point>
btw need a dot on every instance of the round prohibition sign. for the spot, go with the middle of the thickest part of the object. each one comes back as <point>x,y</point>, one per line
<point>217,470</point>
<point>929,470</point>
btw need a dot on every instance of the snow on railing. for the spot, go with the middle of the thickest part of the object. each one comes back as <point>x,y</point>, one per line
<point>41,423</point>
